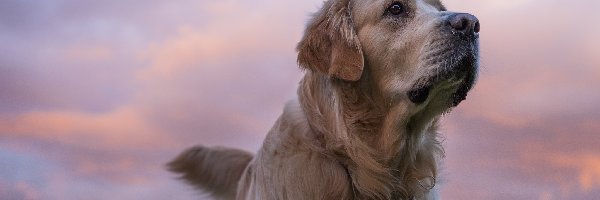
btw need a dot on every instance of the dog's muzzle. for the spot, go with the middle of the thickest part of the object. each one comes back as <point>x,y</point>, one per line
<point>464,30</point>
<point>465,70</point>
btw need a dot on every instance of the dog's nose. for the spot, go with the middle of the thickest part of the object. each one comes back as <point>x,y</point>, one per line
<point>465,23</point>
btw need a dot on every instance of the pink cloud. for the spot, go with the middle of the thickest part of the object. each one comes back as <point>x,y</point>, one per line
<point>122,128</point>
<point>587,166</point>
<point>18,191</point>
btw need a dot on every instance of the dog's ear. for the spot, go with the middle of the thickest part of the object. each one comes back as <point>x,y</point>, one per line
<point>330,44</point>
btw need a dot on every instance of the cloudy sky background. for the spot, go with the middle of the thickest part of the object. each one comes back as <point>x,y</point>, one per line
<point>95,96</point>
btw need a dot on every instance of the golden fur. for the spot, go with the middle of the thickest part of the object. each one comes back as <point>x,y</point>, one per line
<point>353,133</point>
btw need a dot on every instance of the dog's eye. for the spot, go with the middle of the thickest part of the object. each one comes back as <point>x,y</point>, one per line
<point>396,9</point>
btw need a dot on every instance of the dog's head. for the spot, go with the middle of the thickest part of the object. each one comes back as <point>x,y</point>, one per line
<point>413,51</point>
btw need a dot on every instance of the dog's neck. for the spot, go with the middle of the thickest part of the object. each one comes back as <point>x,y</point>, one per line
<point>386,154</point>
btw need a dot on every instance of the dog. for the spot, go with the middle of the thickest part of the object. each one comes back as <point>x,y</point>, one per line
<point>379,75</point>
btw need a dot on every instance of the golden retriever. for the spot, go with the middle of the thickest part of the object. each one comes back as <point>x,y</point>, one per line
<point>380,73</point>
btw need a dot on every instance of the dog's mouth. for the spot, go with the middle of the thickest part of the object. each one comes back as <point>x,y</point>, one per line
<point>463,73</point>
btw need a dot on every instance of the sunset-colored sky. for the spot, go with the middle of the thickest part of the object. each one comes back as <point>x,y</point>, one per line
<point>95,96</point>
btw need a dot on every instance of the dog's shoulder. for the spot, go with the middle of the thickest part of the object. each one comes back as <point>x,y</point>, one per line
<point>290,165</point>
<point>290,134</point>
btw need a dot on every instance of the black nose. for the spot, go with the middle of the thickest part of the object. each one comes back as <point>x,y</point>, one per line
<point>465,23</point>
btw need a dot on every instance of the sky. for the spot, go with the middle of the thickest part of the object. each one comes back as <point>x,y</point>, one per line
<point>95,96</point>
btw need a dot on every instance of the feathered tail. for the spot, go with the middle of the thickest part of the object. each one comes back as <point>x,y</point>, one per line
<point>214,170</point>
